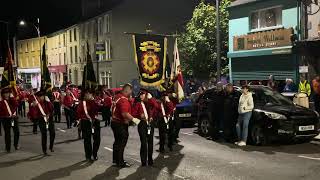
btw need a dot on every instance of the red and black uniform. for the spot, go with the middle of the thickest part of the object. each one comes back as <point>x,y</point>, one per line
<point>106,109</point>
<point>166,110</point>
<point>68,104</point>
<point>9,120</point>
<point>86,113</point>
<point>42,111</point>
<point>56,99</point>
<point>141,111</point>
<point>23,96</point>
<point>119,126</point>
<point>30,115</point>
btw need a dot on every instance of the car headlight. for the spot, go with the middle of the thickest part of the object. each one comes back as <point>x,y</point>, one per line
<point>273,115</point>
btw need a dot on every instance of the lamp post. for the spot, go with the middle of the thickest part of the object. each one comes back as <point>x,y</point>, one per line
<point>218,41</point>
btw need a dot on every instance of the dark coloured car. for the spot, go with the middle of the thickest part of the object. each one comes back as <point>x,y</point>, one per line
<point>274,117</point>
<point>185,112</point>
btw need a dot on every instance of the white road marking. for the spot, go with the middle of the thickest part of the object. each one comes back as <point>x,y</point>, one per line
<point>189,134</point>
<point>307,157</point>
<point>178,176</point>
<point>109,149</point>
<point>61,130</point>
<point>235,162</point>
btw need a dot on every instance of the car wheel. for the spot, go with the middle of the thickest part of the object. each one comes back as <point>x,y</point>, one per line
<point>205,127</point>
<point>258,136</point>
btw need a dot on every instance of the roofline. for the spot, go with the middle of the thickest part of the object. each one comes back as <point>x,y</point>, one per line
<point>232,6</point>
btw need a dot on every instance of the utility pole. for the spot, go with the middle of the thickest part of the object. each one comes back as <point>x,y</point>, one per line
<point>218,41</point>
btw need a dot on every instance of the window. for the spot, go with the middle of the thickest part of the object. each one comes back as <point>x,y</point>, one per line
<point>105,79</point>
<point>27,44</point>
<point>32,46</point>
<point>64,40</point>
<point>75,34</point>
<point>266,18</point>
<point>71,61</point>
<point>107,24</point>
<point>76,54</point>
<point>21,48</point>
<point>70,35</point>
<point>60,59</point>
<point>33,61</point>
<point>108,50</point>
<point>101,26</point>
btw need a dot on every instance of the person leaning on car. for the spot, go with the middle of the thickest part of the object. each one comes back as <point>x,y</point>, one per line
<point>230,113</point>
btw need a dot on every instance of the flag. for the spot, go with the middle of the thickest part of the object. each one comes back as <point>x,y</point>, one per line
<point>9,77</point>
<point>45,75</point>
<point>89,80</point>
<point>150,57</point>
<point>176,74</point>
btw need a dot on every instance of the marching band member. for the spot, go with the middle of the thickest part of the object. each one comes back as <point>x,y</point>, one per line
<point>106,108</point>
<point>87,111</point>
<point>22,104</point>
<point>41,109</point>
<point>166,123</point>
<point>33,119</point>
<point>56,98</point>
<point>68,103</point>
<point>121,117</point>
<point>8,106</point>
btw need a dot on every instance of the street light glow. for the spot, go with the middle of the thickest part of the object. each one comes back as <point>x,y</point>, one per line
<point>22,23</point>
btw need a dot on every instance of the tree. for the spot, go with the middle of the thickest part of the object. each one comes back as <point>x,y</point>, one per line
<point>198,42</point>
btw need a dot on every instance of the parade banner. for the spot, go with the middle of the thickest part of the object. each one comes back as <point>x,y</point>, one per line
<point>9,76</point>
<point>45,75</point>
<point>89,78</point>
<point>150,57</point>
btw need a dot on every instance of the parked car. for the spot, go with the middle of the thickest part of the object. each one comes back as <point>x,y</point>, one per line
<point>274,117</point>
<point>185,111</point>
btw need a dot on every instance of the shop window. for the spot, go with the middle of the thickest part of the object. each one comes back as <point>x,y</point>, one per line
<point>266,18</point>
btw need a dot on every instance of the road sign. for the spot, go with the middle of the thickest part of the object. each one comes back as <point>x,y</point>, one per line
<point>100,48</point>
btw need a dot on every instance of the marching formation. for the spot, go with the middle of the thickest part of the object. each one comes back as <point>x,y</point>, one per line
<point>119,109</point>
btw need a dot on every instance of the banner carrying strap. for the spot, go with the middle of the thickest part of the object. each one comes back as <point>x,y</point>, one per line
<point>41,109</point>
<point>145,111</point>
<point>164,115</point>
<point>8,107</point>
<point>114,105</point>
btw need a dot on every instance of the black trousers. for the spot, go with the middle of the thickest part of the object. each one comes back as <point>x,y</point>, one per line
<point>177,126</point>
<point>44,130</point>
<point>22,109</point>
<point>35,125</point>
<point>316,99</point>
<point>146,148</point>
<point>69,116</point>
<point>121,135</point>
<point>7,125</point>
<point>91,149</point>
<point>57,112</point>
<point>106,116</point>
<point>0,127</point>
<point>164,133</point>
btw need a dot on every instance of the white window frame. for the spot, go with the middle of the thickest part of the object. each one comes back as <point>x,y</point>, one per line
<point>108,49</point>
<point>32,46</point>
<point>107,23</point>
<point>105,78</point>
<point>26,50</point>
<point>259,19</point>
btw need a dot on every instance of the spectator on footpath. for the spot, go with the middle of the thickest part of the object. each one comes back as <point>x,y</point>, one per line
<point>217,107</point>
<point>290,86</point>
<point>316,90</point>
<point>304,86</point>
<point>272,83</point>
<point>230,113</point>
<point>245,108</point>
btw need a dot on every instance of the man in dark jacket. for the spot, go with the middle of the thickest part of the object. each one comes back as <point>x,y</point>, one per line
<point>230,112</point>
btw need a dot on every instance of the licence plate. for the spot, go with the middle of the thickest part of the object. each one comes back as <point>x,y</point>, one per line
<point>185,115</point>
<point>306,128</point>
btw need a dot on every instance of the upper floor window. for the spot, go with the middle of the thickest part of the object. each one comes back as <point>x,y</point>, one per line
<point>27,46</point>
<point>70,35</point>
<point>107,23</point>
<point>266,18</point>
<point>75,34</point>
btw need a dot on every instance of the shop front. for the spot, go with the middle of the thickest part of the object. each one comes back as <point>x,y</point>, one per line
<point>31,77</point>
<point>58,74</point>
<point>258,55</point>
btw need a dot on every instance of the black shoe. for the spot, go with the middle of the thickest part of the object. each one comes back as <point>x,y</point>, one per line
<point>124,165</point>
<point>171,149</point>
<point>8,150</point>
<point>95,158</point>
<point>150,163</point>
<point>89,160</point>
<point>45,153</point>
<point>143,164</point>
<point>35,132</point>
<point>51,149</point>
<point>16,147</point>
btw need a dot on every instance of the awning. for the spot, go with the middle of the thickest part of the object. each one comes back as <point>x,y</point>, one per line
<point>29,70</point>
<point>261,52</point>
<point>58,69</point>
<point>308,47</point>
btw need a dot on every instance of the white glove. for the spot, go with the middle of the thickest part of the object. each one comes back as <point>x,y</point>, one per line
<point>136,121</point>
<point>149,96</point>
<point>47,99</point>
<point>166,98</point>
<point>174,95</point>
<point>11,95</point>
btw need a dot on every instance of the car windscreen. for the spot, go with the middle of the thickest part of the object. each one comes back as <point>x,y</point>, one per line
<point>272,97</point>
